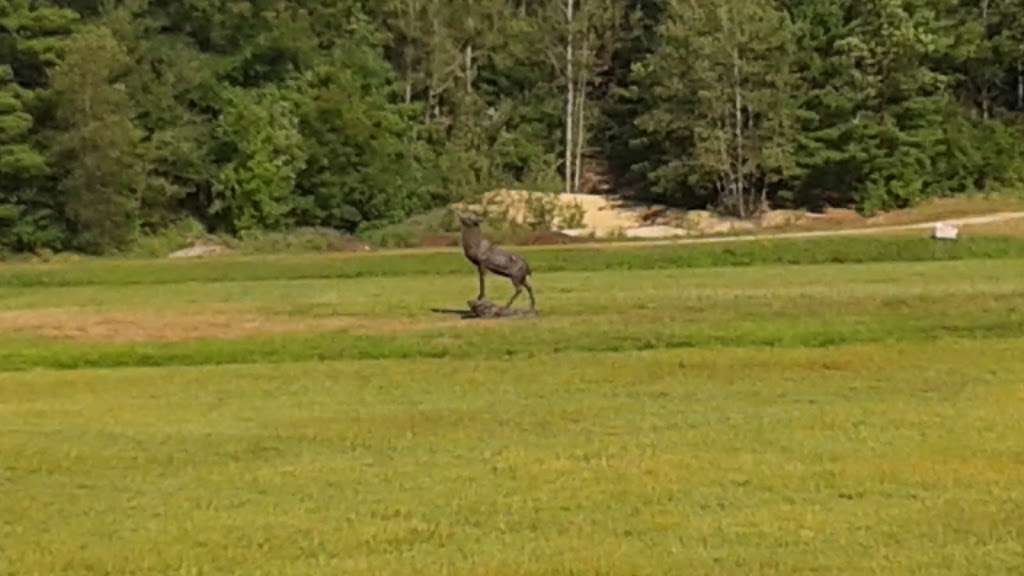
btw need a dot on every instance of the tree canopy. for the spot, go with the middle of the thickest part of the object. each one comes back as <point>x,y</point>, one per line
<point>120,118</point>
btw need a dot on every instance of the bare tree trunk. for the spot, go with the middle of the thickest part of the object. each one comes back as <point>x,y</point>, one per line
<point>432,81</point>
<point>407,64</point>
<point>738,102</point>
<point>469,68</point>
<point>764,194</point>
<point>570,94</point>
<point>580,134</point>
<point>468,52</point>
<point>581,107</point>
<point>986,97</point>
<point>409,15</point>
<point>727,183</point>
<point>1020,84</point>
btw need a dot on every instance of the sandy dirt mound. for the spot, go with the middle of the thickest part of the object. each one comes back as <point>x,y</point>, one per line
<point>549,238</point>
<point>598,216</point>
<point>585,216</point>
<point>649,232</point>
<point>201,249</point>
<point>575,215</point>
<point>606,215</point>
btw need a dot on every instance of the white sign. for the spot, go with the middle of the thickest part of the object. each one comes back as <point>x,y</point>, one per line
<point>945,231</point>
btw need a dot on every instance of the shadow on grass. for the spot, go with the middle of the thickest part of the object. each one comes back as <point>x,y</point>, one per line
<point>485,309</point>
<point>464,314</point>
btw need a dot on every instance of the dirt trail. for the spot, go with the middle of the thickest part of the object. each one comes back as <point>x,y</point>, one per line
<point>965,221</point>
<point>864,231</point>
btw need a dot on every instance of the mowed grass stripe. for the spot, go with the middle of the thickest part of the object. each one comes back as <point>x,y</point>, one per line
<point>543,260</point>
<point>563,292</point>
<point>601,333</point>
<point>895,459</point>
<point>611,311</point>
<point>830,419</point>
<point>605,333</point>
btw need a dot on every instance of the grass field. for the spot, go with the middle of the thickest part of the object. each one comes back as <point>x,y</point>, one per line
<point>846,406</point>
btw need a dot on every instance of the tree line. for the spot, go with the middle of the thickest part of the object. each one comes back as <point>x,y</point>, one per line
<point>121,118</point>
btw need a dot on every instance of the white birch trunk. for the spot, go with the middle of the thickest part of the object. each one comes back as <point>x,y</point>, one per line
<point>469,68</point>
<point>986,97</point>
<point>580,135</point>
<point>738,105</point>
<point>570,97</point>
<point>1020,84</point>
<point>581,107</point>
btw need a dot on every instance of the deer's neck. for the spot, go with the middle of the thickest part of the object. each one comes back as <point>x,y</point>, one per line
<point>473,243</point>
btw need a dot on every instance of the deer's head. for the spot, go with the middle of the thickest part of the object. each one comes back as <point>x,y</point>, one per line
<point>469,220</point>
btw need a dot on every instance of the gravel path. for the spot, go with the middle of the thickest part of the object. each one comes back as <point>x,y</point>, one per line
<point>966,221</point>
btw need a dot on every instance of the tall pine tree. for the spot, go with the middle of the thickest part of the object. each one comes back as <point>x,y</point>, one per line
<point>723,103</point>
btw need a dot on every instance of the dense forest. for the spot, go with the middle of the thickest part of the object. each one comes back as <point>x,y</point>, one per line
<point>121,118</point>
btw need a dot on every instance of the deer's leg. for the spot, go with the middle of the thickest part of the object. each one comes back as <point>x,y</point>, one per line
<point>483,288</point>
<point>529,290</point>
<point>519,290</point>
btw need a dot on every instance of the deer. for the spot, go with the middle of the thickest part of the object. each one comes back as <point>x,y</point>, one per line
<point>490,258</point>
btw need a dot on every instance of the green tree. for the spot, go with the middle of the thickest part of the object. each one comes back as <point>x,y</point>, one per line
<point>723,103</point>
<point>1008,47</point>
<point>627,148</point>
<point>896,127</point>
<point>97,150</point>
<point>263,152</point>
<point>365,161</point>
<point>165,81</point>
<point>32,37</point>
<point>25,223</point>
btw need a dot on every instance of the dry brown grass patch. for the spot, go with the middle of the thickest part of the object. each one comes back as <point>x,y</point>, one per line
<point>127,327</point>
<point>119,326</point>
<point>1011,228</point>
<point>947,208</point>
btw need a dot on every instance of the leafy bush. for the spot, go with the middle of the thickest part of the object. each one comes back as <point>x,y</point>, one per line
<point>300,240</point>
<point>413,231</point>
<point>162,242</point>
<point>263,152</point>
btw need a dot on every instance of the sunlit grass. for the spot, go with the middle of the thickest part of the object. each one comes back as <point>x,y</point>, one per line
<point>114,272</point>
<point>760,419</point>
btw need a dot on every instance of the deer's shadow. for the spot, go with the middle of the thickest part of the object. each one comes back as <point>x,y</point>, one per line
<point>485,309</point>
<point>464,313</point>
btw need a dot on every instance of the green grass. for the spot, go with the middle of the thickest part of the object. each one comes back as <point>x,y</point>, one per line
<point>702,410</point>
<point>450,262</point>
